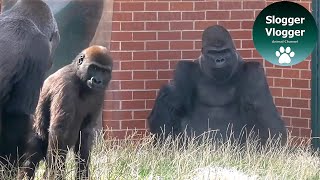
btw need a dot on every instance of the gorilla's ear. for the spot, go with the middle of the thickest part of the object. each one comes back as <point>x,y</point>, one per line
<point>80,59</point>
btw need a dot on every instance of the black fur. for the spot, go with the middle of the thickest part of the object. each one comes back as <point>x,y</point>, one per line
<point>28,38</point>
<point>218,92</point>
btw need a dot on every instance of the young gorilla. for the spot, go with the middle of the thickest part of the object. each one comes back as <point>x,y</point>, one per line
<point>28,38</point>
<point>218,92</point>
<point>67,113</point>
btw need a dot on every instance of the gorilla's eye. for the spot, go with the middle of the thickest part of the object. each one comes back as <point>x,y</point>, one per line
<point>80,60</point>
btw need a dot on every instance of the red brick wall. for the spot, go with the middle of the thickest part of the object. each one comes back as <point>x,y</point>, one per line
<point>149,37</point>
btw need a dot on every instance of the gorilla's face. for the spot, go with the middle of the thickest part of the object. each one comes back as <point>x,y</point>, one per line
<point>219,58</point>
<point>219,64</point>
<point>94,69</point>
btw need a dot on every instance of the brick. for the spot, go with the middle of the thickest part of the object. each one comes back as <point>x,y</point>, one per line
<point>305,93</point>
<point>193,15</point>
<point>111,105</point>
<point>230,24</point>
<point>247,44</point>
<point>241,34</point>
<point>173,64</point>
<point>121,75</point>
<point>305,113</point>
<point>144,94</point>
<point>286,102</point>
<point>169,35</point>
<point>122,16</point>
<point>197,45</point>
<point>276,91</point>
<point>190,54</point>
<point>201,25</point>
<point>293,112</point>
<point>157,6</point>
<point>116,6</point>
<point>121,55</point>
<point>186,25</point>
<point>300,83</point>
<point>115,26</point>
<point>109,124</point>
<point>133,124</point>
<point>117,115</point>
<point>132,26</point>
<point>132,6</point>
<point>300,103</point>
<point>132,85</point>
<point>291,93</point>
<point>155,84</point>
<point>132,65</point>
<point>224,5</point>
<point>217,15</point>
<point>135,104</point>
<point>181,6</point>
<point>247,24</point>
<point>254,4</point>
<point>157,45</point>
<point>157,26</point>
<point>149,104</point>
<point>303,65</point>
<point>114,85</point>
<point>155,65</point>
<point>132,45</point>
<point>205,5</point>
<point>141,114</point>
<point>245,53</point>
<point>305,132</point>
<point>271,72</point>
<point>144,35</point>
<point>165,74</point>
<point>119,95</point>
<point>169,55</point>
<point>179,45</point>
<point>294,131</point>
<point>191,35</point>
<point>279,82</point>
<point>287,121</point>
<point>169,16</point>
<point>144,75</point>
<point>144,16</point>
<point>145,55</point>
<point>270,81</point>
<point>305,74</point>
<point>121,36</point>
<point>115,46</point>
<point>290,73</point>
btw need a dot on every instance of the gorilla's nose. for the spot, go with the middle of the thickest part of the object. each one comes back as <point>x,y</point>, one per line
<point>96,81</point>
<point>220,61</point>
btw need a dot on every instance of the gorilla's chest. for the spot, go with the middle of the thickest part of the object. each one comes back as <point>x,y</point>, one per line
<point>216,107</point>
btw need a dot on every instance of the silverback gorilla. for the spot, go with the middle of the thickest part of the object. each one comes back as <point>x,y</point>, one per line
<point>217,92</point>
<point>28,38</point>
<point>67,112</point>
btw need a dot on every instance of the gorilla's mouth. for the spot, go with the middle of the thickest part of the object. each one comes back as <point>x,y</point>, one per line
<point>92,85</point>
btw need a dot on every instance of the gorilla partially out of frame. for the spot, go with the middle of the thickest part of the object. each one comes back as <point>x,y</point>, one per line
<point>28,38</point>
<point>218,92</point>
<point>67,113</point>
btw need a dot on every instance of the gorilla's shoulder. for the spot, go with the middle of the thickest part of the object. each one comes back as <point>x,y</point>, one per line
<point>186,68</point>
<point>252,68</point>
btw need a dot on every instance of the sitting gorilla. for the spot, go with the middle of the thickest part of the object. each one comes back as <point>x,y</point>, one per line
<point>218,92</point>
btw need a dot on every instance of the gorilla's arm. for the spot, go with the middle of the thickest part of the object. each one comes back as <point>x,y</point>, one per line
<point>173,101</point>
<point>165,115</point>
<point>24,61</point>
<point>258,96</point>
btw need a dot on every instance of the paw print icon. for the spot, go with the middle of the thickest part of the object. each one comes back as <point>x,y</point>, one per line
<point>285,55</point>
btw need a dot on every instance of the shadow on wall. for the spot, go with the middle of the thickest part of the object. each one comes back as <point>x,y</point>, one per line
<point>81,24</point>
